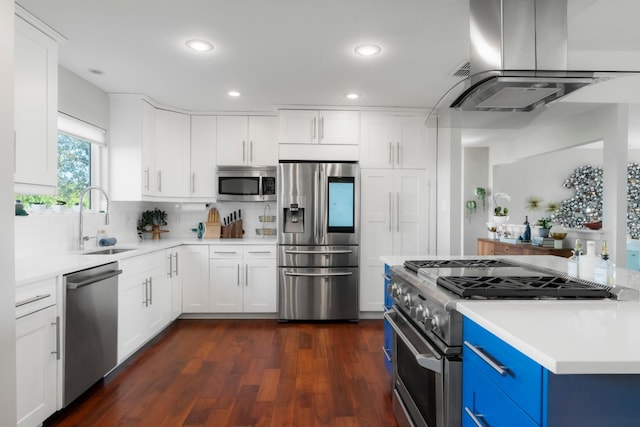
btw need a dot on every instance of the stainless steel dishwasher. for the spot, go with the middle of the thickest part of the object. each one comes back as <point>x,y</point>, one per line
<point>91,327</point>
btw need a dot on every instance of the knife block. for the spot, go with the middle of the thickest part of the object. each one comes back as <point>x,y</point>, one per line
<point>237,229</point>
<point>212,230</point>
<point>226,231</point>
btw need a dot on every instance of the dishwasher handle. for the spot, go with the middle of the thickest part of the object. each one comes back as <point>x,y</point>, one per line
<point>93,279</point>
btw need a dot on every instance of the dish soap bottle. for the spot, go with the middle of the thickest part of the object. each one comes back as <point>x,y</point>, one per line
<point>573,263</point>
<point>605,271</point>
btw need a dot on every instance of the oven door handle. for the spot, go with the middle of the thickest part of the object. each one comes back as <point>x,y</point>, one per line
<point>427,361</point>
<point>345,273</point>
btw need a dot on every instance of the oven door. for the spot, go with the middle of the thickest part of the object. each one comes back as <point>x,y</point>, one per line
<point>427,386</point>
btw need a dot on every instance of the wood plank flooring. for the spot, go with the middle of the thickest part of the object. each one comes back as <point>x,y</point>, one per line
<point>245,373</point>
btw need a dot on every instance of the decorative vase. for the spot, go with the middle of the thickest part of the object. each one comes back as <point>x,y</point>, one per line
<point>155,232</point>
<point>500,219</point>
<point>543,232</point>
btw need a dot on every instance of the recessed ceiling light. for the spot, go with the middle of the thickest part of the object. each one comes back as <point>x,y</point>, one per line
<point>234,93</point>
<point>353,96</point>
<point>368,49</point>
<point>199,45</point>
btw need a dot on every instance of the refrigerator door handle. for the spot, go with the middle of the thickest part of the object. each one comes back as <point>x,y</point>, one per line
<point>316,204</point>
<point>343,273</point>
<point>319,252</point>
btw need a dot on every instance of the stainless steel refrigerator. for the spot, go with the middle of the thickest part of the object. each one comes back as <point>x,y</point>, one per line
<point>319,234</point>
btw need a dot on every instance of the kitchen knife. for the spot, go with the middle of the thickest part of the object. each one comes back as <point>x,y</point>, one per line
<point>239,213</point>
<point>235,217</point>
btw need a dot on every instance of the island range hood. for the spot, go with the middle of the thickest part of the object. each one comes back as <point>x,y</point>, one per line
<point>518,57</point>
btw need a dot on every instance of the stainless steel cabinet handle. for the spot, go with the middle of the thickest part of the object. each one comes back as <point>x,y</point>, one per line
<point>398,211</point>
<point>246,275</point>
<point>150,290</point>
<point>193,182</point>
<point>386,277</point>
<point>345,273</point>
<point>30,300</point>
<point>390,211</point>
<point>342,251</point>
<point>176,270</point>
<point>251,151</point>
<point>502,370</point>
<point>474,417</point>
<point>387,353</point>
<point>398,152</point>
<point>225,252</point>
<point>390,153</point>
<point>260,252</point>
<point>314,128</point>
<point>146,173</point>
<point>159,181</point>
<point>243,150</point>
<point>321,133</point>
<point>145,302</point>
<point>170,272</point>
<point>238,276</point>
<point>57,325</point>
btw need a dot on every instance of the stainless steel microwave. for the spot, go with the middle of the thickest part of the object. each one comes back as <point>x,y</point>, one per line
<point>247,183</point>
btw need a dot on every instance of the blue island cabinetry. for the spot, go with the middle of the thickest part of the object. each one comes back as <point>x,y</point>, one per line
<point>388,332</point>
<point>504,388</point>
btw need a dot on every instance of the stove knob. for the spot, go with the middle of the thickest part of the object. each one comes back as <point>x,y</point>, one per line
<point>407,300</point>
<point>394,291</point>
<point>419,314</point>
<point>436,323</point>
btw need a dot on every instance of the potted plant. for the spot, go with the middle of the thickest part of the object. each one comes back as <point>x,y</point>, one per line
<point>152,219</point>
<point>545,224</point>
<point>500,213</point>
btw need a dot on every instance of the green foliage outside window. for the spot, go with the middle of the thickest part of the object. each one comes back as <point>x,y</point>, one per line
<point>74,174</point>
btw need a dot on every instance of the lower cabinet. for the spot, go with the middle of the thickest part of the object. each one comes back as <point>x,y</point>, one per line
<point>144,301</point>
<point>242,279</point>
<point>36,366</point>
<point>387,345</point>
<point>195,279</point>
<point>174,277</point>
<point>504,388</point>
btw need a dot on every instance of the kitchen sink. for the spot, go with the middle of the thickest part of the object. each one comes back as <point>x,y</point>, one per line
<point>110,251</point>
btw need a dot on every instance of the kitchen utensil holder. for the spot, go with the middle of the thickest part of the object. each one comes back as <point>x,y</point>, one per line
<point>212,230</point>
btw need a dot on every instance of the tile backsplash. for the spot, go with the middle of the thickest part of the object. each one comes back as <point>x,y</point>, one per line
<point>48,232</point>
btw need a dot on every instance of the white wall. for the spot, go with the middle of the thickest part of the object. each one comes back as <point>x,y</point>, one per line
<point>449,196</point>
<point>475,161</point>
<point>8,414</point>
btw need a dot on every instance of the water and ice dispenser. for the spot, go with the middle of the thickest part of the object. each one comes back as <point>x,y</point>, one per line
<point>293,218</point>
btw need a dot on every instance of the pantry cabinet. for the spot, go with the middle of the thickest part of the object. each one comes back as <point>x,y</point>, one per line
<point>36,109</point>
<point>247,141</point>
<point>389,140</point>
<point>144,301</point>
<point>243,278</point>
<point>394,222</point>
<point>317,127</point>
<point>195,279</point>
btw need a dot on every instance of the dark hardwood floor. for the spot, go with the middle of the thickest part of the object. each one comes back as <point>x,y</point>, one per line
<point>245,373</point>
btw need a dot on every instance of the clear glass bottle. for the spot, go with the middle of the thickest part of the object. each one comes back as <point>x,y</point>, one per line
<point>573,263</point>
<point>605,270</point>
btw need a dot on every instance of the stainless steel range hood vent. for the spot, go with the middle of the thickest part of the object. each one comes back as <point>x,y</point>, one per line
<point>518,56</point>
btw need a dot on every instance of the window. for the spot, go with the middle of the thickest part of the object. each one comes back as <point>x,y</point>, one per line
<point>79,146</point>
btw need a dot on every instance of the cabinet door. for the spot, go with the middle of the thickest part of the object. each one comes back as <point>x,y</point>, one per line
<point>149,177</point>
<point>410,212</point>
<point>411,142</point>
<point>36,361</point>
<point>260,286</point>
<point>158,310</point>
<point>132,301</point>
<point>226,277</point>
<point>203,156</point>
<point>173,258</point>
<point>171,153</point>
<point>298,127</point>
<point>376,237</point>
<point>194,266</point>
<point>263,147</point>
<point>376,140</point>
<point>36,108</point>
<point>232,141</point>
<point>338,127</point>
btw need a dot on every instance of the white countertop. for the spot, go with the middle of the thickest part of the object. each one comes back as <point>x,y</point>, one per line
<point>564,336</point>
<point>38,267</point>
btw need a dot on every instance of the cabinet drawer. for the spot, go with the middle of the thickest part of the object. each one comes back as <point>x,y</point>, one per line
<point>507,250</point>
<point>259,251</point>
<point>522,377</point>
<point>225,251</point>
<point>488,404</point>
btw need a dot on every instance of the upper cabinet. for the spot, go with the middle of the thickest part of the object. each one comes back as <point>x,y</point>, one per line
<point>171,155</point>
<point>318,127</point>
<point>36,107</point>
<point>247,141</point>
<point>392,141</point>
<point>203,156</point>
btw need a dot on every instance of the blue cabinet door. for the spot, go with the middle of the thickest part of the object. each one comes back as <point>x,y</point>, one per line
<point>388,332</point>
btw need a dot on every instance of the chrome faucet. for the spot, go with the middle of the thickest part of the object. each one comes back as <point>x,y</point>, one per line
<point>82,237</point>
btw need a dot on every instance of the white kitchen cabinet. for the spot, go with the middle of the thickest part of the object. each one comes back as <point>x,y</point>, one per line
<point>394,222</point>
<point>317,127</point>
<point>144,301</point>
<point>203,156</point>
<point>36,109</point>
<point>243,278</point>
<point>36,366</point>
<point>173,259</point>
<point>388,140</point>
<point>171,155</point>
<point>195,279</point>
<point>247,140</point>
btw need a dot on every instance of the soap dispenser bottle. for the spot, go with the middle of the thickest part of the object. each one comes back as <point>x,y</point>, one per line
<point>573,263</point>
<point>605,270</point>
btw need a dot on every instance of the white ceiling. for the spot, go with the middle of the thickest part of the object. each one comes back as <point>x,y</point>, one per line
<point>300,52</point>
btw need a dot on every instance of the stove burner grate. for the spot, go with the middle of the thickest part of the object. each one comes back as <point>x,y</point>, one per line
<point>415,265</point>
<point>491,287</point>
